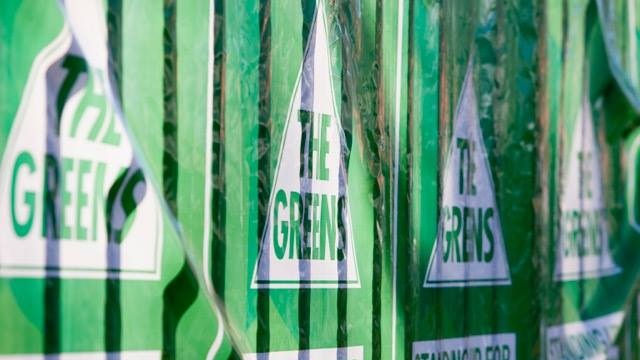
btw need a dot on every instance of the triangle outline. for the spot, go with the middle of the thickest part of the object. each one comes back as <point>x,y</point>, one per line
<point>58,47</point>
<point>467,85</point>
<point>584,123</point>
<point>311,284</point>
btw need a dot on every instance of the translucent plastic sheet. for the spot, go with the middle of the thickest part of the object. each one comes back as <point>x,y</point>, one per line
<point>318,179</point>
<point>94,257</point>
<point>590,164</point>
<point>474,183</point>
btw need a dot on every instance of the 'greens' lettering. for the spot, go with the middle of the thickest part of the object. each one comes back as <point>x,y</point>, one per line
<point>313,237</point>
<point>65,219</point>
<point>466,232</point>
<point>583,232</point>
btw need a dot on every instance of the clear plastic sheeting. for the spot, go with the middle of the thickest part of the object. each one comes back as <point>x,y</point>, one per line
<point>321,179</point>
<point>592,242</point>
<point>94,259</point>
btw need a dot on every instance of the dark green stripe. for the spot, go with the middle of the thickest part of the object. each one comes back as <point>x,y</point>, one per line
<point>304,295</point>
<point>112,306</point>
<point>115,40</point>
<point>407,249</point>
<point>177,297</point>
<point>170,107</point>
<point>60,86</point>
<point>376,281</point>
<point>379,203</point>
<point>263,335</point>
<point>443,98</point>
<point>182,290</point>
<point>218,202</point>
<point>121,192</point>
<point>51,300</point>
<point>346,32</point>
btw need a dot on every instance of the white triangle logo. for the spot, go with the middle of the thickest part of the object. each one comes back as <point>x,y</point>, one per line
<point>582,249</point>
<point>308,241</point>
<point>72,193</point>
<point>469,248</point>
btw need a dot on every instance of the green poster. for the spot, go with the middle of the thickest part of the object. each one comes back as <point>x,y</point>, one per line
<point>473,268</point>
<point>589,271</point>
<point>92,264</point>
<point>303,257</point>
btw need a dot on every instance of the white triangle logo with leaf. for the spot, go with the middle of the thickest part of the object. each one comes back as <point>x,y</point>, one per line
<point>308,240</point>
<point>582,250</point>
<point>469,249</point>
